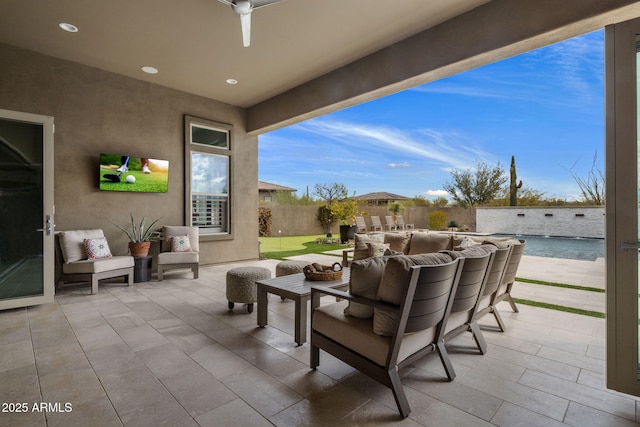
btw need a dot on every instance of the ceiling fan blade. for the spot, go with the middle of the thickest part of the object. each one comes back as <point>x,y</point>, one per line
<point>261,3</point>
<point>245,22</point>
<point>227,2</point>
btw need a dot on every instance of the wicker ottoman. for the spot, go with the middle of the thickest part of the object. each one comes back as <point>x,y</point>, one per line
<point>241,285</point>
<point>286,268</point>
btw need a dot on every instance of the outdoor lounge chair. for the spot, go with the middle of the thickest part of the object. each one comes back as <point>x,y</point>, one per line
<point>173,256</point>
<point>401,224</point>
<point>418,328</point>
<point>75,264</point>
<point>390,223</point>
<point>361,224</point>
<point>510,276</point>
<point>375,223</point>
<point>487,301</point>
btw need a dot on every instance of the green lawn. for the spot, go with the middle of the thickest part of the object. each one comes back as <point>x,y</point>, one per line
<point>155,182</point>
<point>283,247</point>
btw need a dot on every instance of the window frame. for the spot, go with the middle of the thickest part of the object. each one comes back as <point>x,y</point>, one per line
<point>190,148</point>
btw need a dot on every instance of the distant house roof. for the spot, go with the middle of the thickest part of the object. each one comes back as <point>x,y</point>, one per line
<point>267,186</point>
<point>380,196</point>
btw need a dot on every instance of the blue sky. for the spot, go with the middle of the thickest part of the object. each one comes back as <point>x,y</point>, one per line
<point>546,107</point>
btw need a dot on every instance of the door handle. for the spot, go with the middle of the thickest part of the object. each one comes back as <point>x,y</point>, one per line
<point>48,226</point>
<point>626,246</point>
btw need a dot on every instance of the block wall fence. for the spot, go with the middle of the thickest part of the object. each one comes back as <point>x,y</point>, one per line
<point>570,221</point>
<point>566,221</point>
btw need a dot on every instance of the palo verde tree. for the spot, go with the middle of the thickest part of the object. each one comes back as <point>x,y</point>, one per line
<point>476,187</point>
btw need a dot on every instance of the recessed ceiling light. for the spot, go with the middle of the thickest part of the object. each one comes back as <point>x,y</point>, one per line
<point>68,27</point>
<point>232,81</point>
<point>150,70</point>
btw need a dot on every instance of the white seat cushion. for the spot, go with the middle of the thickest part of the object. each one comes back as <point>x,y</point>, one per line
<point>357,334</point>
<point>177,257</point>
<point>90,266</point>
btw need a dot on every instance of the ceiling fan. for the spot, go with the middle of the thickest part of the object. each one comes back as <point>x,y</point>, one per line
<point>244,9</point>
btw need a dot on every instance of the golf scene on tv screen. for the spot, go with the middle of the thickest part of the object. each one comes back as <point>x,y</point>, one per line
<point>140,174</point>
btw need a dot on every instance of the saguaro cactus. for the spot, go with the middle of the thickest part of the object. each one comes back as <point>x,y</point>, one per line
<point>513,188</point>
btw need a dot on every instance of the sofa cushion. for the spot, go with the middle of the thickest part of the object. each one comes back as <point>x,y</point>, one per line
<point>501,242</point>
<point>471,252</point>
<point>398,242</point>
<point>357,334</point>
<point>422,243</point>
<point>361,250</point>
<point>394,283</point>
<point>366,275</point>
<point>90,266</point>
<point>72,243</point>
<point>178,257</point>
<point>97,248</point>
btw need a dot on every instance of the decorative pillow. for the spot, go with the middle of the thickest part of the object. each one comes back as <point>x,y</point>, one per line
<point>180,244</point>
<point>361,250</point>
<point>393,285</point>
<point>464,243</point>
<point>97,248</point>
<point>377,249</point>
<point>423,243</point>
<point>365,279</point>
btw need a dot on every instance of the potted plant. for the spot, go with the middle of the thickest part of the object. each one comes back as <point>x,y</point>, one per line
<point>140,237</point>
<point>345,210</point>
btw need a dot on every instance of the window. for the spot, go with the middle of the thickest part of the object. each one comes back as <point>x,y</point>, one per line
<point>207,170</point>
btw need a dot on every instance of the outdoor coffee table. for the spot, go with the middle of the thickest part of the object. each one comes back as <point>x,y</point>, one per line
<point>297,288</point>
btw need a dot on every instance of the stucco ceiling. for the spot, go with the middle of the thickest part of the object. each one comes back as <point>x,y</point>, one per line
<point>197,44</point>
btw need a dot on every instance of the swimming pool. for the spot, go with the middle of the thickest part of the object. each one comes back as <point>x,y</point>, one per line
<point>564,247</point>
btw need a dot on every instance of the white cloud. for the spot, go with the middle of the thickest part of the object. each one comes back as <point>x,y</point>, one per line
<point>448,148</point>
<point>436,193</point>
<point>399,165</point>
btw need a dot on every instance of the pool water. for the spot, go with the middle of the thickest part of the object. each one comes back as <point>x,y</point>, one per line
<point>564,247</point>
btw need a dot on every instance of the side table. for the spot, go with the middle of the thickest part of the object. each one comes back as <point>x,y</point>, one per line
<point>142,268</point>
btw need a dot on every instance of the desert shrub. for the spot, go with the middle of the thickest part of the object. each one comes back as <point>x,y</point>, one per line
<point>264,222</point>
<point>437,220</point>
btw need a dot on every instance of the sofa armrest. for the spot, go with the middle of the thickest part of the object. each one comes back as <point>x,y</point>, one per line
<point>345,257</point>
<point>318,291</point>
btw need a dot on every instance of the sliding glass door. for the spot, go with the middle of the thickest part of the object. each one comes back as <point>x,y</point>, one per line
<point>26,210</point>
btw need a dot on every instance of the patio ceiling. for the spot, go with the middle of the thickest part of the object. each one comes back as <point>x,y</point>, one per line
<point>307,57</point>
<point>197,44</point>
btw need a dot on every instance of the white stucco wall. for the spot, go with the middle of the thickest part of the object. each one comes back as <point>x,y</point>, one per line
<point>542,221</point>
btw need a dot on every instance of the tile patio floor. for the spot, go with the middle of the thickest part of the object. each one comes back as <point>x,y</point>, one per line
<point>171,353</point>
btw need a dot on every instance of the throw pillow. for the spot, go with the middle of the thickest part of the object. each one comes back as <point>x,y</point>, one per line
<point>361,250</point>
<point>97,248</point>
<point>464,243</point>
<point>364,281</point>
<point>394,283</point>
<point>180,244</point>
<point>377,249</point>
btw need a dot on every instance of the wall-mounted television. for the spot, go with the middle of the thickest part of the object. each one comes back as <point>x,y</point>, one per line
<point>128,173</point>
